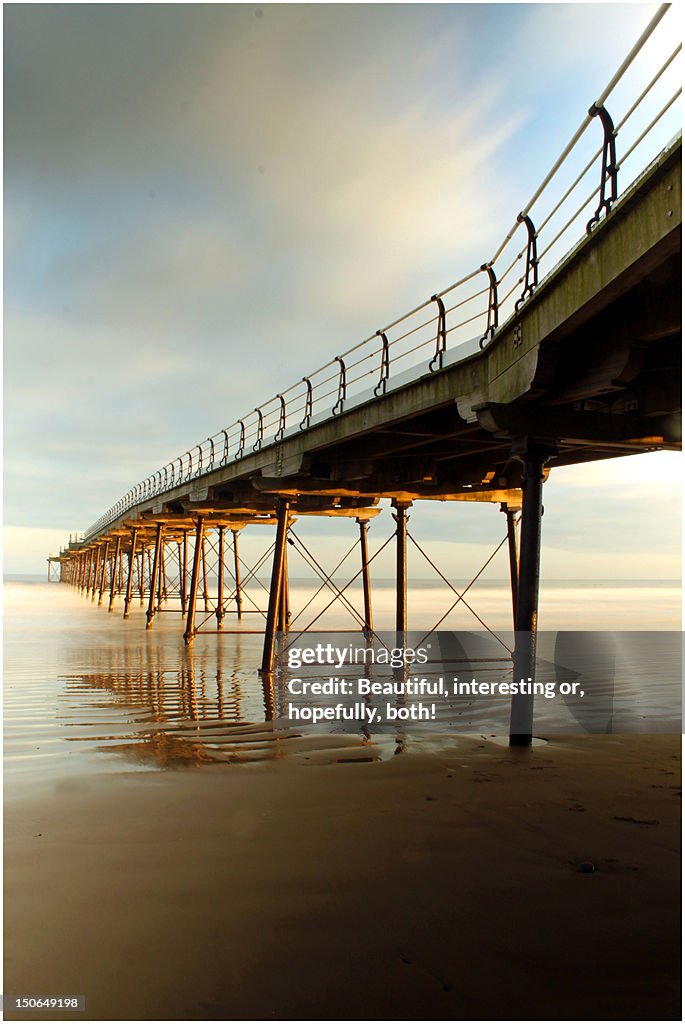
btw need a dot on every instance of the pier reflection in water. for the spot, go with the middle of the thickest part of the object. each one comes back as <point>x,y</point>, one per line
<point>82,695</point>
<point>206,710</point>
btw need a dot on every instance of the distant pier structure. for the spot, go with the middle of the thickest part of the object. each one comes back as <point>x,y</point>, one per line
<point>55,563</point>
<point>474,395</point>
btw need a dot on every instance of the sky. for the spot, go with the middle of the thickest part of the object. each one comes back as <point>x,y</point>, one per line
<point>205,202</point>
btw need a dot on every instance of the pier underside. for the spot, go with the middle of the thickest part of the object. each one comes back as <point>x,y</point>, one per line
<point>587,370</point>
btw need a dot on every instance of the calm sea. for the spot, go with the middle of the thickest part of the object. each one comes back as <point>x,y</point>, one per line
<point>85,691</point>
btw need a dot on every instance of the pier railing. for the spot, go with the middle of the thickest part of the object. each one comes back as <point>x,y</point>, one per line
<point>575,195</point>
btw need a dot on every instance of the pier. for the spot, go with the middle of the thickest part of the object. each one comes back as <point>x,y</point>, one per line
<point>476,395</point>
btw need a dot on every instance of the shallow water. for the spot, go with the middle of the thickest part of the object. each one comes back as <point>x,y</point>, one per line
<point>86,692</point>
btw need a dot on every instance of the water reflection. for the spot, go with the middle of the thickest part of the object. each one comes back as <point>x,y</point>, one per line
<point>204,710</point>
<point>86,692</point>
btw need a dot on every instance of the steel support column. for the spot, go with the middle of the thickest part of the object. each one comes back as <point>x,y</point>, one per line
<point>103,572</point>
<point>93,583</point>
<point>89,574</point>
<point>205,589</point>
<point>510,513</point>
<point>400,517</point>
<point>366,583</point>
<point>220,580</point>
<point>115,570</point>
<point>533,456</point>
<point>131,564</point>
<point>189,634</point>
<point>162,573</point>
<point>275,589</point>
<point>156,572</point>
<point>141,573</point>
<point>184,574</point>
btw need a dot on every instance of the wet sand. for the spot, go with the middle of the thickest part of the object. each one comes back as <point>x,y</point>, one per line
<point>445,886</point>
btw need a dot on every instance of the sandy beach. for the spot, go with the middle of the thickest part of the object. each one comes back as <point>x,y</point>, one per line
<point>474,884</point>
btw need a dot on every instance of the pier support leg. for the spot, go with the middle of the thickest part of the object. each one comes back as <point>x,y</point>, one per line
<point>184,574</point>
<point>141,574</point>
<point>154,576</point>
<point>103,573</point>
<point>275,589</point>
<point>131,564</point>
<point>179,555</point>
<point>366,582</point>
<point>205,589</point>
<point>93,582</point>
<point>236,572</point>
<point>400,516</point>
<point>189,634</point>
<point>220,581</point>
<point>534,456</point>
<point>116,568</point>
<point>162,573</point>
<point>89,573</point>
<point>510,513</point>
